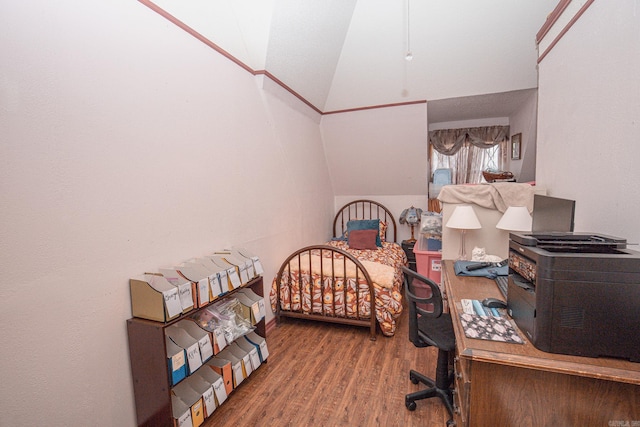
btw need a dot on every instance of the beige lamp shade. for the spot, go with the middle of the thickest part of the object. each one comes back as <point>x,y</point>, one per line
<point>515,218</point>
<point>464,218</point>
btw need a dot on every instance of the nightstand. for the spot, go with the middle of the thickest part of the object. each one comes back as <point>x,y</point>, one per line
<point>407,246</point>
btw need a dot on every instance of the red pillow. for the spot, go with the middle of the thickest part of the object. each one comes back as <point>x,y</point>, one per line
<point>363,239</point>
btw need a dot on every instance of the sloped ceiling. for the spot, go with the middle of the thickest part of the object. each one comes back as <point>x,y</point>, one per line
<point>349,54</point>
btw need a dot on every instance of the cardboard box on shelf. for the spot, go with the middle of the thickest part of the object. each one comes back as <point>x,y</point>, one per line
<point>181,412</point>
<point>203,337</point>
<point>260,343</point>
<point>205,390</point>
<point>200,278</point>
<point>217,287</point>
<point>255,260</point>
<point>233,272</point>
<point>176,361</point>
<point>224,368</point>
<point>243,355</point>
<point>193,399</point>
<point>210,273</point>
<point>251,350</point>
<point>216,381</point>
<point>243,266</point>
<point>253,305</point>
<point>189,344</point>
<point>219,340</point>
<point>236,366</point>
<point>154,298</point>
<point>186,288</point>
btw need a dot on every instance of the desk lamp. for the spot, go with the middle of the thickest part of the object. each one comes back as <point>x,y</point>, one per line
<point>411,216</point>
<point>515,218</point>
<point>463,218</point>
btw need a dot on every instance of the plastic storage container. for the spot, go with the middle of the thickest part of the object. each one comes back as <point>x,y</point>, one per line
<point>428,242</point>
<point>429,263</point>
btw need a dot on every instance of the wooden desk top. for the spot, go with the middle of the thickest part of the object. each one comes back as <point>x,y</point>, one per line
<point>522,355</point>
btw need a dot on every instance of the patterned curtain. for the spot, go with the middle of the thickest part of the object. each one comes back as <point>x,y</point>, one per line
<point>450,141</point>
<point>465,146</point>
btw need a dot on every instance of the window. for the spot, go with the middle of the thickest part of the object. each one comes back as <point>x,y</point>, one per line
<point>469,162</point>
<point>469,151</point>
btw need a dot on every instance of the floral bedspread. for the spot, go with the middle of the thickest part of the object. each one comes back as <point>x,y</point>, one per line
<point>388,301</point>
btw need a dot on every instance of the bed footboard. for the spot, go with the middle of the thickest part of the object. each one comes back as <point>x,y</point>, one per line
<point>325,283</point>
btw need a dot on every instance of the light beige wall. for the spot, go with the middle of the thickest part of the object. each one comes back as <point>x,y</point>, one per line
<point>127,145</point>
<point>379,154</point>
<point>523,121</point>
<point>382,151</point>
<point>588,109</point>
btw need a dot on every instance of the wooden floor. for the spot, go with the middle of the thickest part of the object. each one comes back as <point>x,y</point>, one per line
<point>321,374</point>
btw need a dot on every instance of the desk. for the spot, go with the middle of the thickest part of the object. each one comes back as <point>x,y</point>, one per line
<point>501,384</point>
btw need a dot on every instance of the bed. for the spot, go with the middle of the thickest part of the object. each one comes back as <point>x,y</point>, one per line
<point>335,281</point>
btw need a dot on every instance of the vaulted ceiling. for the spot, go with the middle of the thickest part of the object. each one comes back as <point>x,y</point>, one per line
<point>471,58</point>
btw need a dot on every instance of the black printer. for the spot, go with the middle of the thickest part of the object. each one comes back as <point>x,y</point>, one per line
<point>576,293</point>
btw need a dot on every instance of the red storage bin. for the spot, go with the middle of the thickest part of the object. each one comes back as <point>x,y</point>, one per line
<point>429,264</point>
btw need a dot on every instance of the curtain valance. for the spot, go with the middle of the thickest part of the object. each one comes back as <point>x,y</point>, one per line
<point>449,141</point>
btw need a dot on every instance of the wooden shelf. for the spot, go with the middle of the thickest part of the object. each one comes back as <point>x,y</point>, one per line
<point>149,369</point>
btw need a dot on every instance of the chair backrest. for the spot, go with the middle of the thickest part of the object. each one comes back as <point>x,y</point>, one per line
<point>414,285</point>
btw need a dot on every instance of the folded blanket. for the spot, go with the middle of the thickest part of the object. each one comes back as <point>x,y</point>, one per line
<point>497,195</point>
<point>380,274</point>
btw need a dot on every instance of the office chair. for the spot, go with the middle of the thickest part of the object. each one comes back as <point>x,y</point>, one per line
<point>429,328</point>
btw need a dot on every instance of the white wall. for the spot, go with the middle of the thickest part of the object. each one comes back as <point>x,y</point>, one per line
<point>382,151</point>
<point>379,154</point>
<point>127,145</point>
<point>524,122</point>
<point>588,110</point>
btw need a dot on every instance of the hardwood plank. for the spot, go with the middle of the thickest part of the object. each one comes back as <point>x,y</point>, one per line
<point>324,374</point>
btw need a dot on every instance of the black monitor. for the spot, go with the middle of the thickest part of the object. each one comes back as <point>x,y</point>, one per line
<point>552,214</point>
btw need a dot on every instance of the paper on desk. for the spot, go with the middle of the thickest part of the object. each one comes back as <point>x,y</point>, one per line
<point>489,328</point>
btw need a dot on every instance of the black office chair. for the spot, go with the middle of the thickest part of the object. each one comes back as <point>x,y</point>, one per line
<point>429,328</point>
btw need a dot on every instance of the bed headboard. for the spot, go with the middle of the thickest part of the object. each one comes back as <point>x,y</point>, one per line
<point>364,209</point>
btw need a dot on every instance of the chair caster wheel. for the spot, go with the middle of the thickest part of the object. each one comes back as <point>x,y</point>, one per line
<point>413,379</point>
<point>410,405</point>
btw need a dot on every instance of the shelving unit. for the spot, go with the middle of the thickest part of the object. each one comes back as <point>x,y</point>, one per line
<point>149,369</point>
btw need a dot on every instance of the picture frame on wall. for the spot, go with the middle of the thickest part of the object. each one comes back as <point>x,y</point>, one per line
<point>516,141</point>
